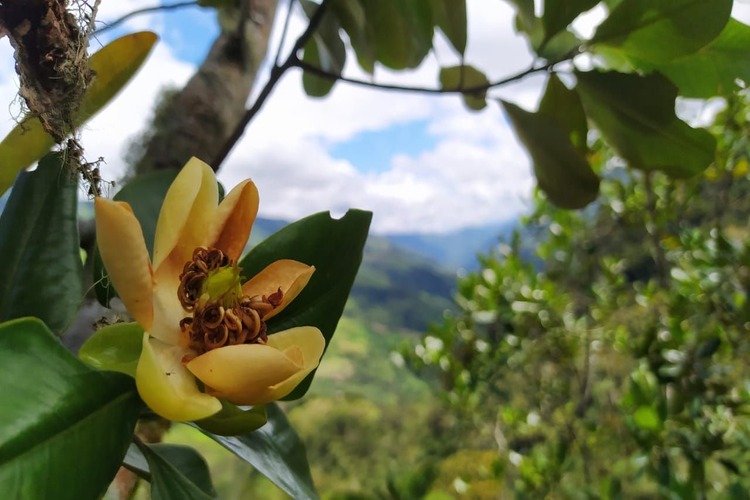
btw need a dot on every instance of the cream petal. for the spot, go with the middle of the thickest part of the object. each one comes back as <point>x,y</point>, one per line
<point>289,275</point>
<point>257,374</point>
<point>234,219</point>
<point>123,250</point>
<point>186,215</point>
<point>167,387</point>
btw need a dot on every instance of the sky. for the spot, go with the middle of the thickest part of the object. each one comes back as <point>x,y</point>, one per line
<point>421,163</point>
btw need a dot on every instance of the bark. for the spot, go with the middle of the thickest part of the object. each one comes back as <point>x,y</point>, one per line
<point>197,120</point>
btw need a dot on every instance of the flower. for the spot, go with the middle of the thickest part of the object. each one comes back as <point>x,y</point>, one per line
<point>200,321</point>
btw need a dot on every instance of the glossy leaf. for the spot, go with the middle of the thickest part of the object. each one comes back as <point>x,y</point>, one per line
<point>115,65</point>
<point>635,114</point>
<point>565,105</point>
<point>351,16</point>
<point>561,170</point>
<point>177,472</point>
<point>114,347</point>
<point>714,69</point>
<point>334,247</point>
<point>466,77</point>
<point>325,50</point>
<point>145,194</point>
<point>657,32</point>
<point>41,271</point>
<point>558,14</point>
<point>65,427</point>
<point>450,17</point>
<point>277,452</point>
<point>234,421</point>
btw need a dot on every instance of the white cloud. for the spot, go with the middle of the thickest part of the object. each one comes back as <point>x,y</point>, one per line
<point>476,172</point>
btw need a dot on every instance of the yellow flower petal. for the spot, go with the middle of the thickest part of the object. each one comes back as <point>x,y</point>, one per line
<point>123,250</point>
<point>188,211</point>
<point>167,387</point>
<point>235,218</point>
<point>289,275</point>
<point>253,374</point>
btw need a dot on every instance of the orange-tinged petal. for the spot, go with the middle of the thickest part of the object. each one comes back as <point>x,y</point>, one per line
<point>123,250</point>
<point>234,219</point>
<point>186,216</point>
<point>167,387</point>
<point>289,275</point>
<point>253,374</point>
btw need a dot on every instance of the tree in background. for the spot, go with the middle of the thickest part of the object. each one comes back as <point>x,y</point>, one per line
<point>602,353</point>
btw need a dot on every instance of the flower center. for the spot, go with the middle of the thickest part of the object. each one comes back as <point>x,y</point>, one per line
<point>219,313</point>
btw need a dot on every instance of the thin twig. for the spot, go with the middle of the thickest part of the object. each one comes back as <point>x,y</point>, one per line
<point>146,10</point>
<point>284,31</point>
<point>424,90</point>
<point>275,76</point>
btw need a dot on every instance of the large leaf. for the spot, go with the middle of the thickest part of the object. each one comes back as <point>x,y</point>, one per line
<point>277,452</point>
<point>41,272</point>
<point>115,65</point>
<point>145,194</point>
<point>450,17</point>
<point>176,472</point>
<point>561,170</point>
<point>565,105</point>
<point>351,16</point>
<point>325,50</point>
<point>635,114</point>
<point>527,22</point>
<point>402,31</point>
<point>714,69</point>
<point>558,14</point>
<point>334,247</point>
<point>233,421</point>
<point>64,427</point>
<point>465,77</point>
<point>658,31</point>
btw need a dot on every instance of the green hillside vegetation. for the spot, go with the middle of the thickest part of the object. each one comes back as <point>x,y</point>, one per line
<point>618,369</point>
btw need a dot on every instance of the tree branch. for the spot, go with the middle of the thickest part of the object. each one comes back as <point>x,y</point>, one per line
<point>276,74</point>
<point>424,90</point>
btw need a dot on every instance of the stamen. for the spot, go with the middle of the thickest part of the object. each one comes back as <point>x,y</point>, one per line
<point>220,316</point>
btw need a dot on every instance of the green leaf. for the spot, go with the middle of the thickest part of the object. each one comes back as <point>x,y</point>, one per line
<point>114,347</point>
<point>635,114</point>
<point>114,65</point>
<point>456,78</point>
<point>527,22</point>
<point>558,14</point>
<point>402,31</point>
<point>277,452</point>
<point>647,418</point>
<point>351,16</point>
<point>65,427</point>
<point>450,17</point>
<point>565,105</point>
<point>658,31</point>
<point>325,50</point>
<point>177,472</point>
<point>41,271</point>
<point>145,194</point>
<point>234,421</point>
<point>334,247</point>
<point>561,170</point>
<point>714,69</point>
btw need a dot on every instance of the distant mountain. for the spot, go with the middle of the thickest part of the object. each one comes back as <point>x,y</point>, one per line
<point>456,249</point>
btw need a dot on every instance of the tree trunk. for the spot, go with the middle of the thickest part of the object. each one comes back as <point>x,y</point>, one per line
<point>198,119</point>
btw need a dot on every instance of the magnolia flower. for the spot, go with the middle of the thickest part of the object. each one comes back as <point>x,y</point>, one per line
<point>200,321</point>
